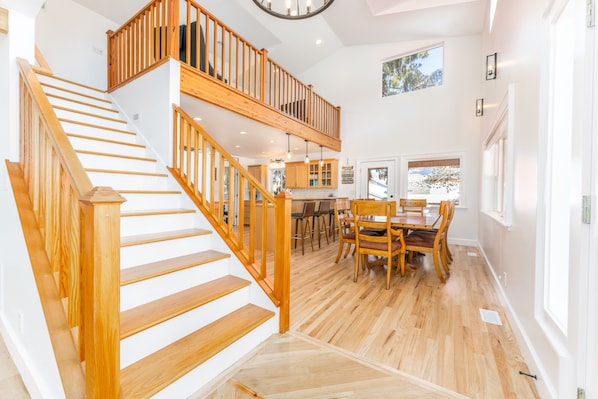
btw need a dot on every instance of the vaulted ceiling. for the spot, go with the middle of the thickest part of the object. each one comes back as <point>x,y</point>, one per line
<point>292,43</point>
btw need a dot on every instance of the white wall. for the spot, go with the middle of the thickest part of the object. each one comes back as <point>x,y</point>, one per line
<point>149,98</point>
<point>73,40</point>
<point>520,37</point>
<point>22,322</point>
<point>430,121</point>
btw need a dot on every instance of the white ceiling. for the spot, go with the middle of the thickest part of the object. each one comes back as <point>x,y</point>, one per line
<point>291,43</point>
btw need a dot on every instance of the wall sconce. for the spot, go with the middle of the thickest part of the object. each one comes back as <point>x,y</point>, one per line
<point>479,107</point>
<point>491,66</point>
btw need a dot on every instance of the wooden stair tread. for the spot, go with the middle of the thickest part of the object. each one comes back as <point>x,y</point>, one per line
<point>150,212</point>
<point>161,236</point>
<point>72,100</point>
<point>153,373</point>
<point>126,172</point>
<point>117,120</point>
<point>152,313</point>
<point>107,154</point>
<point>75,92</point>
<point>149,270</point>
<point>82,136</point>
<point>96,126</point>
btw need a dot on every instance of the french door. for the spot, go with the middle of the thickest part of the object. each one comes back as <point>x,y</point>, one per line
<point>377,179</point>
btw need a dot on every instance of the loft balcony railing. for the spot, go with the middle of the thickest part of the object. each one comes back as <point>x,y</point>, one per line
<point>185,31</point>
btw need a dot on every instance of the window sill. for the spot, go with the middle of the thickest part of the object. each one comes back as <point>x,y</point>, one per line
<point>500,218</point>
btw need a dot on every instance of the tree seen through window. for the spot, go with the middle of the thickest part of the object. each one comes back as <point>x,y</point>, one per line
<point>412,72</point>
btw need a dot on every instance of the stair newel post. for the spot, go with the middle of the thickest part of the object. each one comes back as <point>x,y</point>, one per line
<point>282,257</point>
<point>100,330</point>
<point>263,72</point>
<point>174,20</point>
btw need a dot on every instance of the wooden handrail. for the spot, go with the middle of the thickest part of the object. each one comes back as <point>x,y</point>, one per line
<point>215,180</point>
<point>192,35</point>
<point>81,243</point>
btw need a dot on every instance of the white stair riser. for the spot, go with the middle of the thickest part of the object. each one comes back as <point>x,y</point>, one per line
<point>120,181</point>
<point>150,201</point>
<point>83,107</point>
<point>148,341</point>
<point>133,295</point>
<point>95,100</point>
<point>117,163</point>
<point>132,225</point>
<point>90,131</point>
<point>70,86</point>
<point>136,255</point>
<point>199,377</point>
<point>94,120</point>
<point>104,146</point>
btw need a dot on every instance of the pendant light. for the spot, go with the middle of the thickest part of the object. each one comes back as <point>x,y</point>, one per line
<point>306,156</point>
<point>288,145</point>
<point>321,158</point>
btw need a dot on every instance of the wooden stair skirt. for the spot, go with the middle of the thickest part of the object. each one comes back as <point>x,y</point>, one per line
<point>180,304</point>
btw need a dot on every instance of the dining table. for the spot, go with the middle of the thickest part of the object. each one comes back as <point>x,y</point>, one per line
<point>405,221</point>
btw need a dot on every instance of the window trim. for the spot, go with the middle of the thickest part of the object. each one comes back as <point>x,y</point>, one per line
<point>404,178</point>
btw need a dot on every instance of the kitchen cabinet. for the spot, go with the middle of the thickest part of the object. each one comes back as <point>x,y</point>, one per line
<point>312,175</point>
<point>296,174</point>
<point>260,172</point>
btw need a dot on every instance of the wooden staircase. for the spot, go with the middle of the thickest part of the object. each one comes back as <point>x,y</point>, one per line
<point>186,314</point>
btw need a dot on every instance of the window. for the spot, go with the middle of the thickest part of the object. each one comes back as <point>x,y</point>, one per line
<point>493,4</point>
<point>434,179</point>
<point>412,72</point>
<point>497,185</point>
<point>378,183</point>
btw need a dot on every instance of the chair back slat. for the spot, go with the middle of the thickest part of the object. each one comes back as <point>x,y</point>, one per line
<point>413,205</point>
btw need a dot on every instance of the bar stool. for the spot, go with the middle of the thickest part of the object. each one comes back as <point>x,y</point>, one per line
<point>303,229</point>
<point>320,221</point>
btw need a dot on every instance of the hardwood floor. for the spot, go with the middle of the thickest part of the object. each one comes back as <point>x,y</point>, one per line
<point>295,367</point>
<point>420,326</point>
<point>11,384</point>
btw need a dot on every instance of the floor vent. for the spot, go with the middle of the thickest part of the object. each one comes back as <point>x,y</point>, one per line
<point>490,316</point>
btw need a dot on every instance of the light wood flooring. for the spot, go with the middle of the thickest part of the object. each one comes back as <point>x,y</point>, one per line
<point>11,384</point>
<point>420,326</point>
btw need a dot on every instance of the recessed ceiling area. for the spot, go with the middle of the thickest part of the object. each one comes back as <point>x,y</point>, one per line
<point>257,141</point>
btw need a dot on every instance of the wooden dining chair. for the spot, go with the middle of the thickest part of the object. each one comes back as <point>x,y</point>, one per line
<point>413,205</point>
<point>445,254</point>
<point>344,223</point>
<point>390,245</point>
<point>433,242</point>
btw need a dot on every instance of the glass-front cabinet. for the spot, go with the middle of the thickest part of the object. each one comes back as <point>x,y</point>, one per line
<point>312,175</point>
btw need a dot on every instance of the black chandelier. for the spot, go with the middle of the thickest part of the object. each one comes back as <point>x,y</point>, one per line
<point>293,9</point>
